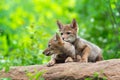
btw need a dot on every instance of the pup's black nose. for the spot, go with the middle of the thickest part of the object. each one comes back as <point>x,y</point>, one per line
<point>63,38</point>
<point>47,53</point>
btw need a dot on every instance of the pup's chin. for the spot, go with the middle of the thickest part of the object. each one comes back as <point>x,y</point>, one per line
<point>69,40</point>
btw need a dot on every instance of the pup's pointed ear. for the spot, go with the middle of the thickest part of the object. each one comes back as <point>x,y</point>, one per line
<point>57,37</point>
<point>59,24</point>
<point>74,24</point>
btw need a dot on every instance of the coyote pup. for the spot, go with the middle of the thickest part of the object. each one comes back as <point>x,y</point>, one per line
<point>60,50</point>
<point>88,51</point>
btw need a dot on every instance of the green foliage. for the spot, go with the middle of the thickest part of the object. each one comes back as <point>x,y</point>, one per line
<point>36,76</point>
<point>96,77</point>
<point>6,79</point>
<point>27,25</point>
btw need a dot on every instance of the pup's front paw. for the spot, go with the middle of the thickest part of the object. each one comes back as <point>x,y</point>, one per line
<point>51,63</point>
<point>69,59</point>
<point>78,58</point>
<point>83,60</point>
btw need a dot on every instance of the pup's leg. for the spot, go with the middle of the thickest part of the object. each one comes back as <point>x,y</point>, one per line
<point>51,62</point>
<point>85,54</point>
<point>99,58</point>
<point>69,59</point>
<point>78,58</point>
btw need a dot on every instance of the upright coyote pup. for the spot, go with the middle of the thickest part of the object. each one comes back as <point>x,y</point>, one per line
<point>60,50</point>
<point>88,51</point>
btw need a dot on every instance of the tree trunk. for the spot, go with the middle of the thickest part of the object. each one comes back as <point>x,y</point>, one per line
<point>102,70</point>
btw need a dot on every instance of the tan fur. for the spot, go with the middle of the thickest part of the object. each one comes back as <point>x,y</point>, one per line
<point>60,50</point>
<point>88,51</point>
<point>69,59</point>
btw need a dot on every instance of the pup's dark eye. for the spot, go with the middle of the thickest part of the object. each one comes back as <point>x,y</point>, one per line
<point>68,33</point>
<point>61,33</point>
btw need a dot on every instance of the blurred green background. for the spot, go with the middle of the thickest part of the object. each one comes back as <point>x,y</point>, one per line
<point>27,25</point>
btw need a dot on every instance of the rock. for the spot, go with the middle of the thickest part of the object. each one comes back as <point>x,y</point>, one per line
<point>107,69</point>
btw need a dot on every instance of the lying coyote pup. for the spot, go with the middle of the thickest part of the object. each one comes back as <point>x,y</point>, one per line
<point>88,51</point>
<point>60,50</point>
